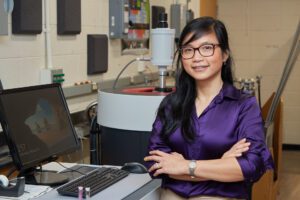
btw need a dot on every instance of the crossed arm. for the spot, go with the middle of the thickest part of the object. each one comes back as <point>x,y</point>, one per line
<point>225,169</point>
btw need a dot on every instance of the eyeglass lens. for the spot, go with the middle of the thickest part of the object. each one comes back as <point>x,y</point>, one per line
<point>204,50</point>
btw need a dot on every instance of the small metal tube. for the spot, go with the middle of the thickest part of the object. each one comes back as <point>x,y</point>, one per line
<point>87,193</point>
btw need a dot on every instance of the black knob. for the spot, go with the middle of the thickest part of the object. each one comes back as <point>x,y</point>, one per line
<point>163,20</point>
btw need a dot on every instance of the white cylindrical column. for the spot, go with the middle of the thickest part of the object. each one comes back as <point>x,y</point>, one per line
<point>162,44</point>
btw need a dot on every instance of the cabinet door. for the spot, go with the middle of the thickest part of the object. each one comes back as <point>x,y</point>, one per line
<point>3,19</point>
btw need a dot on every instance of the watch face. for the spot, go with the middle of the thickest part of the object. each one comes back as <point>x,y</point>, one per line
<point>192,164</point>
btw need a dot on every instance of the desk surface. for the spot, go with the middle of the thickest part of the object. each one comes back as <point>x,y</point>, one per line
<point>134,186</point>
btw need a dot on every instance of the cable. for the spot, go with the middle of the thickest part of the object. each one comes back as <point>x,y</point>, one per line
<point>130,62</point>
<point>91,110</point>
<point>11,171</point>
<point>81,152</point>
<point>95,150</point>
<point>115,83</point>
<point>152,76</point>
<point>70,169</point>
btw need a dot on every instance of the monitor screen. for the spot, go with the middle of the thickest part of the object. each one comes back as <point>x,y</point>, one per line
<point>37,124</point>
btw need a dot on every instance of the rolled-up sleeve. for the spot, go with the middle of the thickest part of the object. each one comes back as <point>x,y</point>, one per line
<point>156,142</point>
<point>258,158</point>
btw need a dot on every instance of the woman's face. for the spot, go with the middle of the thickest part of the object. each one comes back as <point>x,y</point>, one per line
<point>207,67</point>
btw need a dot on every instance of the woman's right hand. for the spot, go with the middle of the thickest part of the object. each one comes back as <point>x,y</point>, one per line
<point>237,149</point>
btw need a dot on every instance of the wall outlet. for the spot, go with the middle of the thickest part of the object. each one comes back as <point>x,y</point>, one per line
<point>51,76</point>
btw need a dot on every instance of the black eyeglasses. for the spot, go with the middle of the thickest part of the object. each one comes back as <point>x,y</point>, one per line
<point>205,50</point>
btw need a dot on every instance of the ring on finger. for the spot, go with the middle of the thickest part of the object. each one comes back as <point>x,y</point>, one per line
<point>156,166</point>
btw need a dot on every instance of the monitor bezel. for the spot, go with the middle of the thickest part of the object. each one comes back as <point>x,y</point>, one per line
<point>11,144</point>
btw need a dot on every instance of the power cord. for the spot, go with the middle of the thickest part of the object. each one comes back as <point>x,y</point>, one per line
<point>129,63</point>
<point>70,169</point>
<point>95,149</point>
<point>81,137</point>
<point>11,171</point>
<point>152,76</point>
<point>81,152</point>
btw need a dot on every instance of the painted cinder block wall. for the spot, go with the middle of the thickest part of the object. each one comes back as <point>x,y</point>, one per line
<point>261,34</point>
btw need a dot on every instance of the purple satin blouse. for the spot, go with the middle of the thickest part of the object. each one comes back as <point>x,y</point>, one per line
<point>230,117</point>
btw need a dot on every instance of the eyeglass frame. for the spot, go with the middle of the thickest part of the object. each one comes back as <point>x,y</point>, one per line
<point>198,48</point>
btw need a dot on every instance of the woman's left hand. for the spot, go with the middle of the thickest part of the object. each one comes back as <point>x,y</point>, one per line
<point>167,163</point>
<point>237,149</point>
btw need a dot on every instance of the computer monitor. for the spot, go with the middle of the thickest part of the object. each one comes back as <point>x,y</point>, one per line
<point>37,125</point>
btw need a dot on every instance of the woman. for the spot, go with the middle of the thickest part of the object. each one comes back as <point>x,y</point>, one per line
<point>208,137</point>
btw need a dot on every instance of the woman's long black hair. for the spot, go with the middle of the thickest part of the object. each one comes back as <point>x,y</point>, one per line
<point>175,110</point>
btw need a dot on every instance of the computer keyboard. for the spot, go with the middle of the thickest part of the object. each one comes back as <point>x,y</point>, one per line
<point>97,180</point>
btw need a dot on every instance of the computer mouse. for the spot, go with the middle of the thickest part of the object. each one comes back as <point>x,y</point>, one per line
<point>135,168</point>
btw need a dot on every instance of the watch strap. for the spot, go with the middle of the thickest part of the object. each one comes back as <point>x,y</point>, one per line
<point>192,167</point>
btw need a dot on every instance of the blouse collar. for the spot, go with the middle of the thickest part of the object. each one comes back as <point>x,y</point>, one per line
<point>228,91</point>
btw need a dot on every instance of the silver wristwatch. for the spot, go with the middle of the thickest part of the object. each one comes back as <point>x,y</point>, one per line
<point>192,167</point>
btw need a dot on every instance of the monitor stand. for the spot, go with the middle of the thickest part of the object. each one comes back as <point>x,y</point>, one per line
<point>37,177</point>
